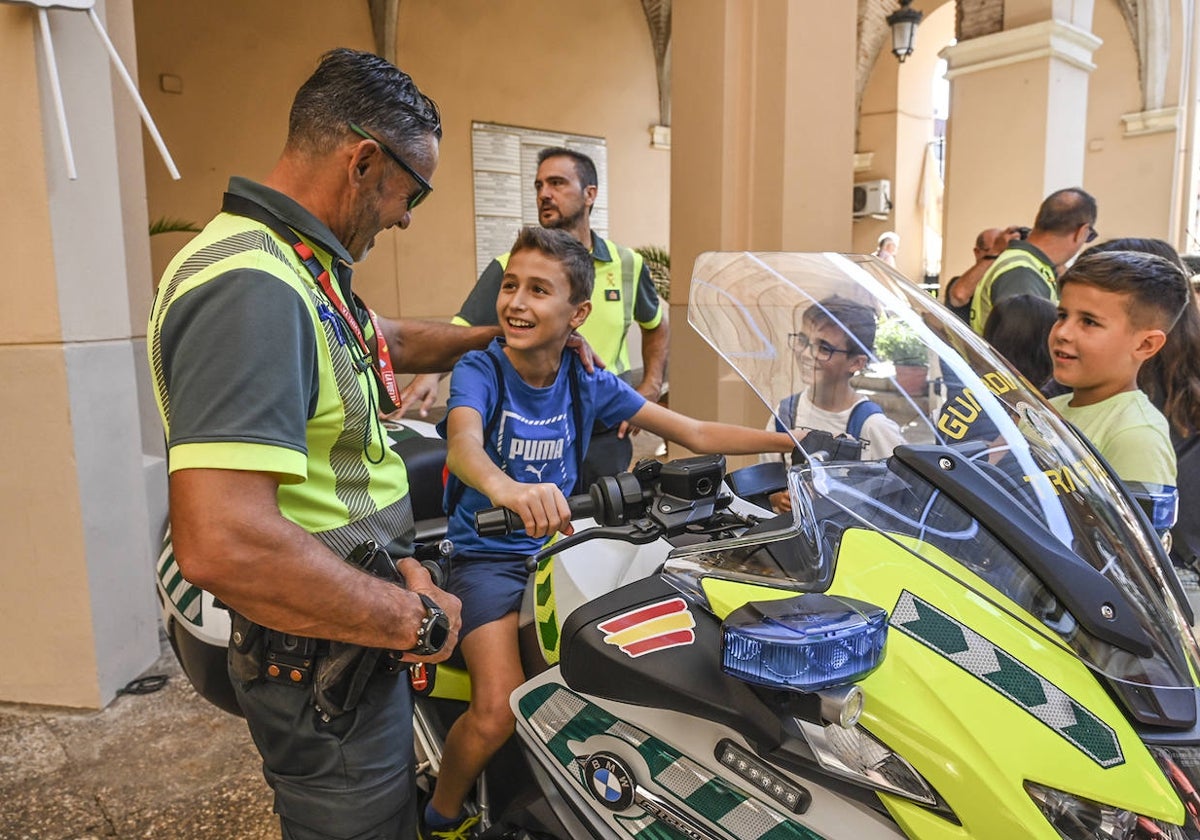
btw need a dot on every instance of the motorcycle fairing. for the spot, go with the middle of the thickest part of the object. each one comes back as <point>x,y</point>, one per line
<point>685,679</point>
<point>923,688</point>
<point>910,696</point>
<point>746,305</point>
<point>1036,694</point>
<point>564,722</point>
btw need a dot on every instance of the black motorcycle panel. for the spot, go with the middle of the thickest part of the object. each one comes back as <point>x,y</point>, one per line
<point>685,678</point>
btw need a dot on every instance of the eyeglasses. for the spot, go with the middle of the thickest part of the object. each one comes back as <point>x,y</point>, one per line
<point>1092,234</point>
<point>822,351</point>
<point>424,188</point>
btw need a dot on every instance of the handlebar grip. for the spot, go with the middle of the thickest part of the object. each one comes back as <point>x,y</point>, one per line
<point>499,522</point>
<point>496,522</point>
<point>582,505</point>
<point>437,572</point>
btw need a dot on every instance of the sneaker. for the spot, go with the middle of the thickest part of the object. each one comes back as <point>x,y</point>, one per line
<point>463,830</point>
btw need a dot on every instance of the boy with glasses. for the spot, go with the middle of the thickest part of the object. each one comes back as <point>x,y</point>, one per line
<point>833,343</point>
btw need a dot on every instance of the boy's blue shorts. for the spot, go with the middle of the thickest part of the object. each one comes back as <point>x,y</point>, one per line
<point>490,587</point>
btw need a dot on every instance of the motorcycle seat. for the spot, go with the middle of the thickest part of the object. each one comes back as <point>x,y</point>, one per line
<point>425,460</point>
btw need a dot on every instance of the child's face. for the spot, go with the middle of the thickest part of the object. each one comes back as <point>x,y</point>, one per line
<point>534,305</point>
<point>1095,347</point>
<point>829,357</point>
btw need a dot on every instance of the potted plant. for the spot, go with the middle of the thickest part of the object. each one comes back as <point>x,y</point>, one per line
<point>896,342</point>
<point>658,263</point>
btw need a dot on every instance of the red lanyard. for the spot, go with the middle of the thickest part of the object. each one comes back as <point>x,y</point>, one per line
<point>383,358</point>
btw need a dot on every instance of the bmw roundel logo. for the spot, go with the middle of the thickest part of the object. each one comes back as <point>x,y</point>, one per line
<point>609,781</point>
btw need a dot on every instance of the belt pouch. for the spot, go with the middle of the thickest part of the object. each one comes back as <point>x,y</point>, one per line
<point>245,648</point>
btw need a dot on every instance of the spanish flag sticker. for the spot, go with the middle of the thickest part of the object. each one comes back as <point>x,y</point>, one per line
<point>666,624</point>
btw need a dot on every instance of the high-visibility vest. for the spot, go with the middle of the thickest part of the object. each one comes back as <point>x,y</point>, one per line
<point>1009,258</point>
<point>613,297</point>
<point>341,490</point>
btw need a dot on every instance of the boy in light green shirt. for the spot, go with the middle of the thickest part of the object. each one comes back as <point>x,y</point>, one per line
<point>1114,312</point>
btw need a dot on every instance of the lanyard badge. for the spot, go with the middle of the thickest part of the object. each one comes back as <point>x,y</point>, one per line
<point>382,359</point>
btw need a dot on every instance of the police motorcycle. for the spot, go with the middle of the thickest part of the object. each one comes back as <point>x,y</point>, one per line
<point>975,636</point>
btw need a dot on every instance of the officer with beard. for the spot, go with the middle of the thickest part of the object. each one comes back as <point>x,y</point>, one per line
<point>566,185</point>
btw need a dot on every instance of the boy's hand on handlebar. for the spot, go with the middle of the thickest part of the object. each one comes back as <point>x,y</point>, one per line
<point>542,507</point>
<point>417,580</point>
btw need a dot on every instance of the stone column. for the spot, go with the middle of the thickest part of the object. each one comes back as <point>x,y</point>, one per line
<point>1018,117</point>
<point>761,157</point>
<point>76,587</point>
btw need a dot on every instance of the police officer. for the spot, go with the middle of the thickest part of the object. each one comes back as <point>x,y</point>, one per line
<point>269,374</point>
<point>566,185</point>
<point>1065,223</point>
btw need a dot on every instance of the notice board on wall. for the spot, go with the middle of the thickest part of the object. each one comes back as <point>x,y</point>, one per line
<point>504,164</point>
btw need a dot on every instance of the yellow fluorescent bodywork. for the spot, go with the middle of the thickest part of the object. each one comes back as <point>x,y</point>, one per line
<point>973,744</point>
<point>451,684</point>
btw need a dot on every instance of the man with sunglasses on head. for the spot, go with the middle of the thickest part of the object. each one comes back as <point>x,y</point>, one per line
<point>565,188</point>
<point>270,375</point>
<point>1030,265</point>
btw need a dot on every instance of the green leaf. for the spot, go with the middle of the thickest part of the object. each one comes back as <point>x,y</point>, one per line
<point>168,224</point>
<point>658,263</point>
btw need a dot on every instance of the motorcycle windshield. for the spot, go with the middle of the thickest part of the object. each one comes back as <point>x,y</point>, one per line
<point>967,467</point>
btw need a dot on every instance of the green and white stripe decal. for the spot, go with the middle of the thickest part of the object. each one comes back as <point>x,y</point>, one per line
<point>559,716</point>
<point>183,595</point>
<point>1004,673</point>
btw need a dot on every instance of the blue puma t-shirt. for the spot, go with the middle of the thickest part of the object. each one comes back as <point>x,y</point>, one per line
<point>535,438</point>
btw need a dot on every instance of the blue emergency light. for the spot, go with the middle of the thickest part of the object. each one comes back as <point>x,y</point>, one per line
<point>807,643</point>
<point>1160,502</point>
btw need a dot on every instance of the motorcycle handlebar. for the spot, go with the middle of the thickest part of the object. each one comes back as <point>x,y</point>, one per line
<point>616,500</point>
<point>499,521</point>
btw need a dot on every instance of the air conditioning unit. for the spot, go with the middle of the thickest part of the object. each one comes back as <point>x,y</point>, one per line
<point>872,198</point>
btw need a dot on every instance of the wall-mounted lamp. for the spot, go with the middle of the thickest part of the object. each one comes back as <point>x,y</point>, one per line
<point>904,23</point>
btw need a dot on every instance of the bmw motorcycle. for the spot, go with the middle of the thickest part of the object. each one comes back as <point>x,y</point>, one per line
<point>978,635</point>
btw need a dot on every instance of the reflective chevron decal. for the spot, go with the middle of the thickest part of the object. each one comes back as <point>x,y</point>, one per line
<point>1004,673</point>
<point>544,612</point>
<point>183,595</point>
<point>559,717</point>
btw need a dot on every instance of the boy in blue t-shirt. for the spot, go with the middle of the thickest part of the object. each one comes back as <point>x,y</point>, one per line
<point>518,422</point>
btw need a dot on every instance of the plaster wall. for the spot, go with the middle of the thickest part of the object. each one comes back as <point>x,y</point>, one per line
<point>896,124</point>
<point>761,158</point>
<point>45,573</point>
<point>1131,176</point>
<point>77,590</point>
<point>997,146</point>
<point>30,314</point>
<point>560,66</point>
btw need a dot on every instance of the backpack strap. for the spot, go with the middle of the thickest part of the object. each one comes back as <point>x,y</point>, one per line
<point>582,436</point>
<point>454,486</point>
<point>859,416</point>
<point>787,413</point>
